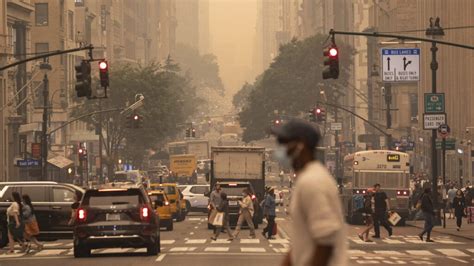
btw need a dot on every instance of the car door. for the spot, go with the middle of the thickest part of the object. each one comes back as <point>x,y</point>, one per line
<point>61,200</point>
<point>198,200</point>
<point>39,196</point>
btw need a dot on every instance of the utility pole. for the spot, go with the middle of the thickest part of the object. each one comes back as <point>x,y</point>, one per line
<point>388,102</point>
<point>101,139</point>
<point>45,67</point>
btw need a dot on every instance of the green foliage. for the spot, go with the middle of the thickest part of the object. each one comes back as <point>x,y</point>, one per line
<point>203,69</point>
<point>291,84</point>
<point>240,98</point>
<point>169,100</point>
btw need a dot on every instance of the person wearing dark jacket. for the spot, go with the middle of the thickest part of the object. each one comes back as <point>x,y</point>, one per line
<point>269,212</point>
<point>459,205</point>
<point>224,208</point>
<point>428,212</point>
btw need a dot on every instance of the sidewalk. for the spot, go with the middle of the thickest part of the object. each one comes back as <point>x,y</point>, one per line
<point>467,230</point>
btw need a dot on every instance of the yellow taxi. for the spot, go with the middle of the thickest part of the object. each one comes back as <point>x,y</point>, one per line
<point>162,205</point>
<point>174,197</point>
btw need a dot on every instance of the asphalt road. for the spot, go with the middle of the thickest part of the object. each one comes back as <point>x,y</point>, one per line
<point>190,244</point>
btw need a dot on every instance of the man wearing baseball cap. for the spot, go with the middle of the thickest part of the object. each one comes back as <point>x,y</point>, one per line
<point>319,230</point>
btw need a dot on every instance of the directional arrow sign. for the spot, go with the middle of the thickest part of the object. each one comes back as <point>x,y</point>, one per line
<point>401,64</point>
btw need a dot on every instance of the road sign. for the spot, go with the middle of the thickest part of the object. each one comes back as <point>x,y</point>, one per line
<point>444,130</point>
<point>27,163</point>
<point>401,64</point>
<point>433,121</point>
<point>336,126</point>
<point>434,103</point>
<point>450,144</point>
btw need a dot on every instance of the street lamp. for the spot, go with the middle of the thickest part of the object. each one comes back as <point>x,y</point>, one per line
<point>434,31</point>
<point>45,67</point>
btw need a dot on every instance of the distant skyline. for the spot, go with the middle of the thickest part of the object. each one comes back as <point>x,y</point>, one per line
<point>232,33</point>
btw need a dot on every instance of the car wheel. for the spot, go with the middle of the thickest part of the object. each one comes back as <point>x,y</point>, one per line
<point>154,247</point>
<point>3,236</point>
<point>169,226</point>
<point>81,251</point>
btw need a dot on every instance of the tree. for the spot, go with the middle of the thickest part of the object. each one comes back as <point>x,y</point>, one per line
<point>203,69</point>
<point>241,97</point>
<point>169,100</point>
<point>291,84</point>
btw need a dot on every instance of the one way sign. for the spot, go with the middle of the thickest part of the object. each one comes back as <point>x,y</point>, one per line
<point>401,64</point>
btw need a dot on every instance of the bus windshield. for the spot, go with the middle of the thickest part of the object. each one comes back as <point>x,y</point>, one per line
<point>385,179</point>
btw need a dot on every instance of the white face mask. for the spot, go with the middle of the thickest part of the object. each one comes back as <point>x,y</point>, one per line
<point>281,155</point>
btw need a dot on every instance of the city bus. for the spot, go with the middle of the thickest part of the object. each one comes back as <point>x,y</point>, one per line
<point>390,169</point>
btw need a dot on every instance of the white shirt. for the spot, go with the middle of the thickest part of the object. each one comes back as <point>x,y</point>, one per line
<point>317,217</point>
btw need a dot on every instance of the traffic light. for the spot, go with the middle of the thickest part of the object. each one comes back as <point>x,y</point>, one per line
<point>332,60</point>
<point>137,121</point>
<point>311,115</point>
<point>193,132</point>
<point>188,132</point>
<point>81,152</point>
<point>83,79</point>
<point>104,73</point>
<point>320,114</point>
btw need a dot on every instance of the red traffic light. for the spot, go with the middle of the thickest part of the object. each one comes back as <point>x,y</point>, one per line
<point>103,65</point>
<point>80,151</point>
<point>318,110</point>
<point>135,117</point>
<point>333,52</point>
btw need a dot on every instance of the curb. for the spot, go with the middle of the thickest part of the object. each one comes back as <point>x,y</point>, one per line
<point>442,232</point>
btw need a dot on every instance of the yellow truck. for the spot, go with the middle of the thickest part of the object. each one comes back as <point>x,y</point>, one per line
<point>183,168</point>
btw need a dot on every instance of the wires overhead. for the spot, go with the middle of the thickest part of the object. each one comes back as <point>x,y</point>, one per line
<point>423,30</point>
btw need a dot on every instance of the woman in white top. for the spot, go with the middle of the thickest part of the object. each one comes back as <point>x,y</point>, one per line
<point>15,224</point>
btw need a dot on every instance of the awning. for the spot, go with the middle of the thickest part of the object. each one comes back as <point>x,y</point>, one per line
<point>60,161</point>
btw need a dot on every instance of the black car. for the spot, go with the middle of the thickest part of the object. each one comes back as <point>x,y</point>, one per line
<point>122,217</point>
<point>234,194</point>
<point>52,202</point>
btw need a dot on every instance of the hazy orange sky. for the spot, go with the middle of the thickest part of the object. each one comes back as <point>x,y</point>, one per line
<point>232,30</point>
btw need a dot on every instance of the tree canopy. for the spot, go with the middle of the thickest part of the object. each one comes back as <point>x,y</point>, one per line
<point>291,85</point>
<point>169,101</point>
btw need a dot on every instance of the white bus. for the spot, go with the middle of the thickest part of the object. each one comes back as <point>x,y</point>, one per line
<point>364,169</point>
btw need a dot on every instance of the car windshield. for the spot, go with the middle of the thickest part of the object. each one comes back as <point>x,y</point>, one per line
<point>159,197</point>
<point>112,198</point>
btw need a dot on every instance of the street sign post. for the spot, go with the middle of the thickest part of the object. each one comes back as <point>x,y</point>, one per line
<point>336,126</point>
<point>444,130</point>
<point>434,103</point>
<point>27,163</point>
<point>433,121</point>
<point>450,144</point>
<point>400,64</point>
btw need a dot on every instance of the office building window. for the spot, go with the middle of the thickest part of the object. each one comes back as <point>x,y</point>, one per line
<point>41,47</point>
<point>70,21</point>
<point>41,14</point>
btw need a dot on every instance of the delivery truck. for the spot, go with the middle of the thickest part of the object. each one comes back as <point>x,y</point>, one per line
<point>183,169</point>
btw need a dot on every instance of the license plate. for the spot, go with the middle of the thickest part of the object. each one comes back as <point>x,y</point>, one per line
<point>112,217</point>
<point>232,203</point>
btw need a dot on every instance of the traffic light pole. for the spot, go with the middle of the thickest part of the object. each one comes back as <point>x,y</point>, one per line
<point>101,139</point>
<point>434,154</point>
<point>44,135</point>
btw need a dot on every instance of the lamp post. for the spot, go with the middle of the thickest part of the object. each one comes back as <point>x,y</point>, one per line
<point>45,67</point>
<point>434,31</point>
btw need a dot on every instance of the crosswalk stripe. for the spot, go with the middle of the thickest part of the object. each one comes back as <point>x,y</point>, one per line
<point>452,252</point>
<point>221,241</point>
<point>448,242</point>
<point>357,252</point>
<point>249,241</point>
<point>392,241</point>
<point>182,249</point>
<point>194,219</point>
<point>167,242</point>
<point>196,241</point>
<point>387,252</point>
<point>471,250</point>
<point>49,252</point>
<point>278,241</point>
<point>419,252</point>
<point>252,249</point>
<point>358,241</point>
<point>217,249</point>
<point>14,255</point>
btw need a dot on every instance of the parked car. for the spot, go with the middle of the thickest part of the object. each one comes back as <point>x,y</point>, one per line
<point>197,197</point>
<point>116,218</point>
<point>52,202</point>
<point>161,204</point>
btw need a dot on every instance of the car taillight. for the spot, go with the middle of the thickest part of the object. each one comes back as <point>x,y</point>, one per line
<point>81,215</point>
<point>144,213</point>
<point>403,193</point>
